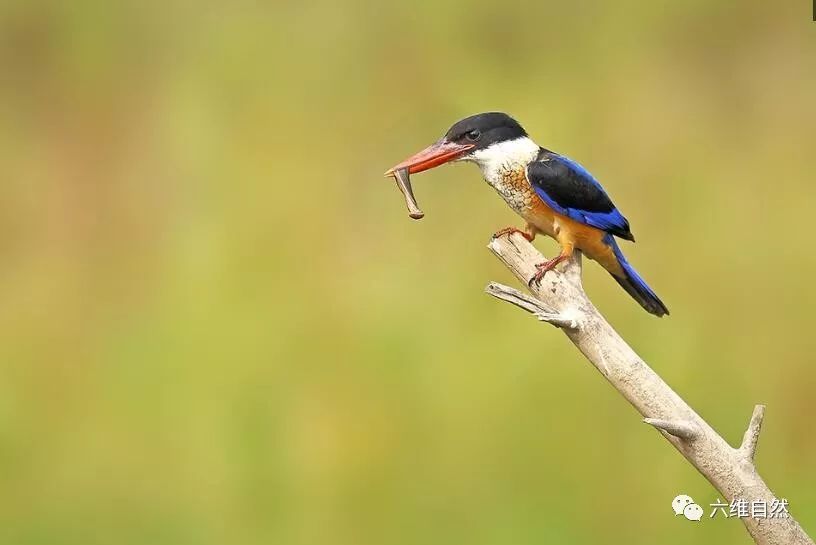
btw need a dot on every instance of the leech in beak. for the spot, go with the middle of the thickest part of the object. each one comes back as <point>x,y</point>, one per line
<point>404,183</point>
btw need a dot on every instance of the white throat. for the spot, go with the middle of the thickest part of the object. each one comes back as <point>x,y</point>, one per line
<point>503,157</point>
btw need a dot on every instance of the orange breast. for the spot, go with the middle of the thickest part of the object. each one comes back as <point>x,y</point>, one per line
<point>522,198</point>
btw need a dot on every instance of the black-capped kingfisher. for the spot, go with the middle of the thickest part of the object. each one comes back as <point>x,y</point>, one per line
<point>553,194</point>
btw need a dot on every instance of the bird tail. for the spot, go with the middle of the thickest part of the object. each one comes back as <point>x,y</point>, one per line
<point>635,285</point>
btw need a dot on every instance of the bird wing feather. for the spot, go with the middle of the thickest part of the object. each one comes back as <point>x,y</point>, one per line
<point>569,189</point>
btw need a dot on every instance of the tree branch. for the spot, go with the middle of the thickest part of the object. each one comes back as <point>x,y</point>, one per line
<point>680,429</point>
<point>560,300</point>
<point>749,440</point>
<point>532,305</point>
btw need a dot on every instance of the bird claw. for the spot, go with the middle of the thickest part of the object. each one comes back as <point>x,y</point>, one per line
<point>510,231</point>
<point>536,279</point>
<point>544,268</point>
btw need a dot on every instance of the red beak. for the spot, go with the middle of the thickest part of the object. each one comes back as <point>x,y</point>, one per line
<point>434,155</point>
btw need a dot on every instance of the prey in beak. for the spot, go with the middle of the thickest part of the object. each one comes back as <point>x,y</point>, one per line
<point>434,155</point>
<point>439,153</point>
<point>404,184</point>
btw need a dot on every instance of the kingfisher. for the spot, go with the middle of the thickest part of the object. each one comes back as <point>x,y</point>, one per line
<point>553,194</point>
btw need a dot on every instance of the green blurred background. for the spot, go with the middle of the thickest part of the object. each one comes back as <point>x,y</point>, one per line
<point>218,325</point>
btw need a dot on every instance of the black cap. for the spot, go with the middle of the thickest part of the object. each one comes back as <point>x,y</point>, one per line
<point>485,129</point>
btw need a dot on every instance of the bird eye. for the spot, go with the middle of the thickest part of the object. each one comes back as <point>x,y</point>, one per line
<point>473,135</point>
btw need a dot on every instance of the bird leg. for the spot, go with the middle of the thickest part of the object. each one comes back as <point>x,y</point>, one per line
<point>528,233</point>
<point>543,268</point>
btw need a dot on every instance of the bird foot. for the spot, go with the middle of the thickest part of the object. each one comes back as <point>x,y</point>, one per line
<point>511,230</point>
<point>544,268</point>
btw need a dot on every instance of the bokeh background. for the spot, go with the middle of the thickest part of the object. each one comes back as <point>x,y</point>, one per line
<point>218,325</point>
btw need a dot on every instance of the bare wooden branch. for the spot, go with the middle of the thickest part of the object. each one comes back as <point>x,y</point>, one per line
<point>532,305</point>
<point>749,440</point>
<point>560,297</point>
<point>681,430</point>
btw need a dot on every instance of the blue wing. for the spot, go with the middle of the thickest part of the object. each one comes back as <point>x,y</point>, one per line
<point>569,189</point>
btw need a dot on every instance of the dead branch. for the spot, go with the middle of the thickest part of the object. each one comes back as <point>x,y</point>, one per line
<point>561,301</point>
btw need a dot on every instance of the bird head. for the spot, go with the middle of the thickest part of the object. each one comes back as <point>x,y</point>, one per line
<point>466,140</point>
